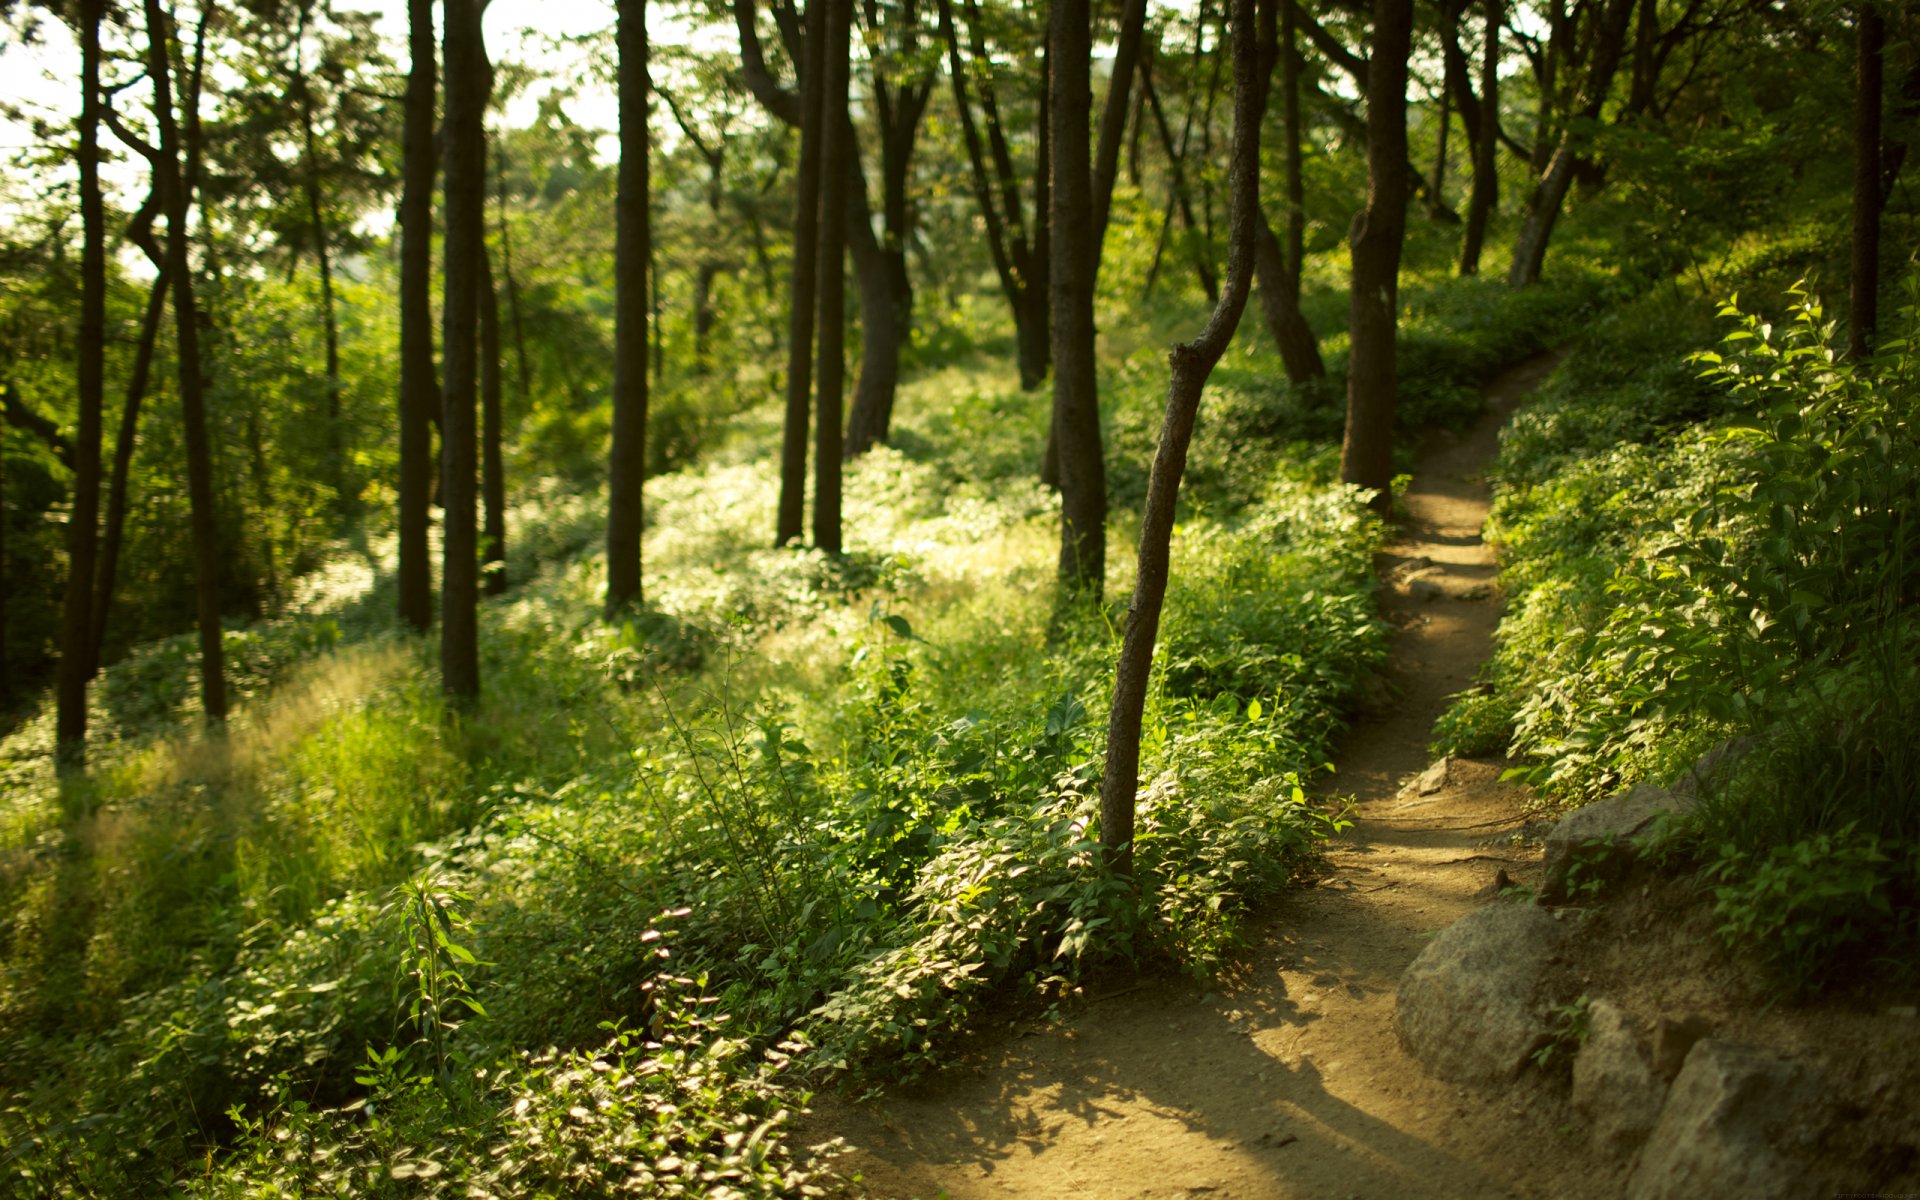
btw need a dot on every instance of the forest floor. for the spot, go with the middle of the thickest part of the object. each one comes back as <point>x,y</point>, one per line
<point>1284,1078</point>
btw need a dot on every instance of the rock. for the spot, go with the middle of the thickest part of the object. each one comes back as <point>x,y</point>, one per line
<point>1714,763</point>
<point>1501,882</point>
<point>1425,589</point>
<point>1431,780</point>
<point>1468,1006</point>
<point>1672,1039</point>
<point>1614,1084</point>
<point>1722,1130</point>
<point>1603,839</point>
<point>1477,591</point>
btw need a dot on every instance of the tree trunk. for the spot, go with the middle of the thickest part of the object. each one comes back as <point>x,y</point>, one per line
<point>836,150</point>
<point>1366,455</point>
<point>1279,266</point>
<point>1864,295</point>
<point>466,190</point>
<point>323,257</point>
<point>1486,171</point>
<point>1543,210</point>
<point>1176,171</point>
<point>524,370</point>
<point>1437,196</point>
<point>1076,400</point>
<point>627,470</point>
<point>76,624</point>
<point>493,477</point>
<point>418,387</point>
<point>123,448</point>
<point>1113,117</point>
<point>703,276</point>
<point>193,408</point>
<point>1191,363</point>
<point>886,322</point>
<point>803,283</point>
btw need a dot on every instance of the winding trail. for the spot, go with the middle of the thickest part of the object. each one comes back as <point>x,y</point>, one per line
<point>1285,1079</point>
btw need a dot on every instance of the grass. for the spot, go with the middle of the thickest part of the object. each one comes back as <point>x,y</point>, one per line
<point>800,816</point>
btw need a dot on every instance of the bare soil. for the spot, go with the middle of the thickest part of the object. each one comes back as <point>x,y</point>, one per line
<point>1285,1079</point>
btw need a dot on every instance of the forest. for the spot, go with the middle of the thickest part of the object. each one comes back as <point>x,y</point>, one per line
<point>567,597</point>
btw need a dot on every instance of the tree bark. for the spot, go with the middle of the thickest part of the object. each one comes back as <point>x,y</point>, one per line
<point>524,370</point>
<point>836,148</point>
<point>418,387</point>
<point>1366,455</point>
<point>627,469</point>
<point>76,623</point>
<point>466,190</point>
<point>493,476</point>
<point>1191,363</point>
<point>1486,172</point>
<point>1278,264</point>
<point>193,408</point>
<point>1113,117</point>
<point>1543,210</point>
<point>1863,309</point>
<point>803,283</point>
<point>1076,400</point>
<point>115,530</point>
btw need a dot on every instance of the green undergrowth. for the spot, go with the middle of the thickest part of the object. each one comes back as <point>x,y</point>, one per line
<point>1707,531</point>
<point>798,819</point>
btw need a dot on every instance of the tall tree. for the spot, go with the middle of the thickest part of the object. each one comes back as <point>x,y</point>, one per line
<point>1278,263</point>
<point>633,245</point>
<point>1366,455</point>
<point>314,186</point>
<point>466,189</point>
<point>1863,309</point>
<point>1486,172</point>
<point>836,146</point>
<point>493,474</point>
<point>193,406</point>
<point>76,625</point>
<point>1190,364</point>
<point>1076,400</point>
<point>419,390</point>
<point>1608,44</point>
<point>803,288</point>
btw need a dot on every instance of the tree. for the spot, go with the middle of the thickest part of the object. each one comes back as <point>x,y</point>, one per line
<point>1864,291</point>
<point>1279,264</point>
<point>1550,193</point>
<point>626,471</point>
<point>418,387</point>
<point>836,147</point>
<point>76,626</point>
<point>1190,365</point>
<point>1485,196</point>
<point>802,283</point>
<point>466,168</point>
<point>1366,454</point>
<point>1074,261</point>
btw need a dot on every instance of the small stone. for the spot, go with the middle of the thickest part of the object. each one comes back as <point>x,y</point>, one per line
<point>1431,780</point>
<point>1479,591</point>
<point>1425,590</point>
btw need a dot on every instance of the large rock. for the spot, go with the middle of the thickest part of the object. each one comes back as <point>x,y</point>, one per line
<point>1468,1007</point>
<point>1712,767</point>
<point>1728,1130</point>
<point>1614,1083</point>
<point>1601,841</point>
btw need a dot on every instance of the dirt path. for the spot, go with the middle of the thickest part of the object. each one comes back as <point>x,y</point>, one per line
<point>1285,1079</point>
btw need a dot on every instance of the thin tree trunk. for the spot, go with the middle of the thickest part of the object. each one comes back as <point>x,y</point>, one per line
<point>1176,157</point>
<point>123,448</point>
<point>1076,400</point>
<point>1530,250</point>
<point>1437,197</point>
<point>418,386</point>
<point>525,370</point>
<point>493,477</point>
<point>76,624</point>
<point>1280,265</point>
<point>1191,363</point>
<point>632,254</point>
<point>323,257</point>
<point>1366,455</point>
<point>803,283</point>
<point>193,408</point>
<point>1864,295</point>
<point>1486,171</point>
<point>1113,116</point>
<point>835,151</point>
<point>466,190</point>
